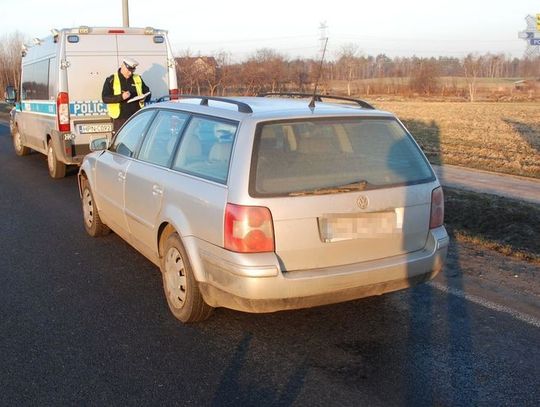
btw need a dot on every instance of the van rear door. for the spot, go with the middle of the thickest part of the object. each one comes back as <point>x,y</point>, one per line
<point>152,57</point>
<point>96,56</point>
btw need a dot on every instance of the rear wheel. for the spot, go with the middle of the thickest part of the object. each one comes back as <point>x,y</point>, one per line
<point>57,169</point>
<point>181,289</point>
<point>92,222</point>
<point>20,148</point>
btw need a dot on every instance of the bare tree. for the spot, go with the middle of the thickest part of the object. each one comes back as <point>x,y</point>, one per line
<point>10,59</point>
<point>215,71</point>
<point>272,65</point>
<point>472,65</point>
<point>347,62</point>
<point>184,70</point>
<point>425,76</point>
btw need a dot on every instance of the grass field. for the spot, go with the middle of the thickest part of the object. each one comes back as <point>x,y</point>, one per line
<point>501,137</point>
<point>505,225</point>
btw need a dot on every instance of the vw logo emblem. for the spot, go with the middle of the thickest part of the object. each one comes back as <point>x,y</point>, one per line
<point>362,202</point>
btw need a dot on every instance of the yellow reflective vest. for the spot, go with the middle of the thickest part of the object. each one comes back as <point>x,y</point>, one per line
<point>114,108</point>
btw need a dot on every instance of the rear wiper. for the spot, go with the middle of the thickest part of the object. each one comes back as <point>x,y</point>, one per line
<point>355,186</point>
<point>352,186</point>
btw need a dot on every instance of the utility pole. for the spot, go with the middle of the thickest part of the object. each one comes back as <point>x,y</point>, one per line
<point>125,13</point>
<point>323,38</point>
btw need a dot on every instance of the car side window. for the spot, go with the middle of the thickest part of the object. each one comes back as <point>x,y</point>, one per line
<point>130,136</point>
<point>160,142</point>
<point>205,149</point>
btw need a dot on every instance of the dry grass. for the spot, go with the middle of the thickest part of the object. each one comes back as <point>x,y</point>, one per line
<point>505,225</point>
<point>501,137</point>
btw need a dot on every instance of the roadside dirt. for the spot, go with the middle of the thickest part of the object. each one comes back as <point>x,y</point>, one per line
<point>494,269</point>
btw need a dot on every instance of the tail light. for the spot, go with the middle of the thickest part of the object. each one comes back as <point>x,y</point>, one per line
<point>248,229</point>
<point>437,208</point>
<point>173,94</point>
<point>62,112</point>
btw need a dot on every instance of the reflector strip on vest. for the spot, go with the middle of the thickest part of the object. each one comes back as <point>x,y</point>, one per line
<point>114,108</point>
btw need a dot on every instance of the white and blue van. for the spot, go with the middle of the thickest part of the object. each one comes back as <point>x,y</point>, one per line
<point>59,110</point>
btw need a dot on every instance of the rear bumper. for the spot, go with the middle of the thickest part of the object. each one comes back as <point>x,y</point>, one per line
<point>255,283</point>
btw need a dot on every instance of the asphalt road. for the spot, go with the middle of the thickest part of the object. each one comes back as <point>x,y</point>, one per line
<point>83,322</point>
<point>472,179</point>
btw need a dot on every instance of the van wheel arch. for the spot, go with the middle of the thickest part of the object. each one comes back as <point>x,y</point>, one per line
<point>18,146</point>
<point>57,169</point>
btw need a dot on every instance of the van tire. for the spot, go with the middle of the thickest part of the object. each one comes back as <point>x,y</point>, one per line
<point>20,148</point>
<point>179,285</point>
<point>57,169</point>
<point>91,219</point>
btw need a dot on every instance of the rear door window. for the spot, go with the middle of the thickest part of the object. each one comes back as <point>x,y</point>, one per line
<point>205,149</point>
<point>334,155</point>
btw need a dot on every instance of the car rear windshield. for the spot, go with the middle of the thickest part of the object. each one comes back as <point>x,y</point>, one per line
<point>334,155</point>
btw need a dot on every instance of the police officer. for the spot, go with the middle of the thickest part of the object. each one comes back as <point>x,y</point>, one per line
<point>119,88</point>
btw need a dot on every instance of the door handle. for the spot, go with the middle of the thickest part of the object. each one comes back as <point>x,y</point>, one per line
<point>121,176</point>
<point>157,190</point>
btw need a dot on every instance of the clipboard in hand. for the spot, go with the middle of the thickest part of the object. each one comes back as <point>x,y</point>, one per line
<point>136,98</point>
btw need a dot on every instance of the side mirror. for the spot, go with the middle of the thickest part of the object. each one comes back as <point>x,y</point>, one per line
<point>10,94</point>
<point>99,144</point>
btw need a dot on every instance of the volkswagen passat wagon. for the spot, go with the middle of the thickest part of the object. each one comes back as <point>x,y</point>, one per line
<point>264,204</point>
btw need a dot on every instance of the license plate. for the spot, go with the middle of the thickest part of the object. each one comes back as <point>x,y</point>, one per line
<point>333,228</point>
<point>95,128</point>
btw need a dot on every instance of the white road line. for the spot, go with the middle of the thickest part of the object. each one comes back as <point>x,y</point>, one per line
<point>488,304</point>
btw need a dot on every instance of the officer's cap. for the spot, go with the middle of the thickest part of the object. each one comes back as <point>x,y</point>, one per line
<point>130,63</point>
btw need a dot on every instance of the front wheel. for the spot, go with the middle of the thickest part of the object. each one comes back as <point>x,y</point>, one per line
<point>181,289</point>
<point>57,169</point>
<point>20,148</point>
<point>92,222</point>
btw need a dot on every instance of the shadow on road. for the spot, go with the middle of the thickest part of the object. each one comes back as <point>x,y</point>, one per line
<point>230,392</point>
<point>423,319</point>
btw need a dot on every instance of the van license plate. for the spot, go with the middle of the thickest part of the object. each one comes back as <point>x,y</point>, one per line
<point>95,128</point>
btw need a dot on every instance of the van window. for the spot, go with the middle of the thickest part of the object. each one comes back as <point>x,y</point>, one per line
<point>53,79</point>
<point>162,137</point>
<point>130,135</point>
<point>36,81</point>
<point>205,149</point>
<point>314,156</point>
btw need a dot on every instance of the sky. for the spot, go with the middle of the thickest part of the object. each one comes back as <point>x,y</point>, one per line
<point>292,27</point>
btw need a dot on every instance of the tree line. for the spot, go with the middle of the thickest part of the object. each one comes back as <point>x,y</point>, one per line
<point>349,72</point>
<point>268,71</point>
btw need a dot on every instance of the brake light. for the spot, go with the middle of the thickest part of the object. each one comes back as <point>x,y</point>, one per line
<point>248,229</point>
<point>62,112</point>
<point>437,208</point>
<point>173,93</point>
<point>117,32</point>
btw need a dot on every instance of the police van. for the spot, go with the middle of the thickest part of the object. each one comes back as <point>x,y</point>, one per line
<point>59,108</point>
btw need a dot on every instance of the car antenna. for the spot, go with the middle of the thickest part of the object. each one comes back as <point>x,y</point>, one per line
<point>312,103</point>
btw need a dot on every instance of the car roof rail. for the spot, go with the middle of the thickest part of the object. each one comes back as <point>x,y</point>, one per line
<point>319,97</point>
<point>242,107</point>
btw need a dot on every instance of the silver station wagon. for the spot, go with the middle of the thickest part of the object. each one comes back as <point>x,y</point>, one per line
<point>262,204</point>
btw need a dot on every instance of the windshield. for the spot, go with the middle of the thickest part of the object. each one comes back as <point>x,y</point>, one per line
<point>334,155</point>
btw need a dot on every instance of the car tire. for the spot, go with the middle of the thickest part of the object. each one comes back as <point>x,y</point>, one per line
<point>181,289</point>
<point>92,222</point>
<point>20,148</point>
<point>57,169</point>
